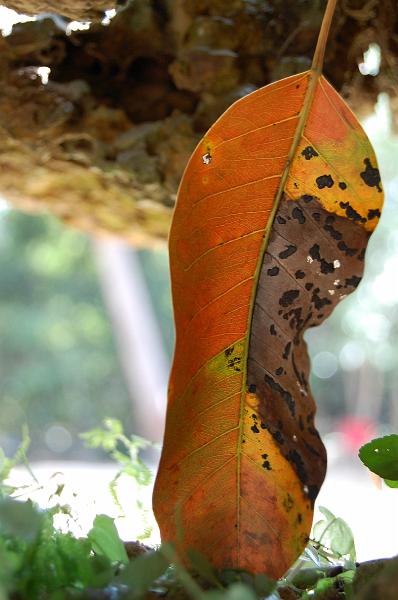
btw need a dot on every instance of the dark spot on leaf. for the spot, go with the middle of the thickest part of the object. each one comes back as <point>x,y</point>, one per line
<point>234,363</point>
<point>299,518</point>
<point>296,321</point>
<point>373,213</point>
<point>288,502</point>
<point>278,437</point>
<point>309,286</point>
<point>361,255</point>
<point>229,351</point>
<point>299,215</point>
<point>342,185</point>
<point>299,274</point>
<point>312,492</point>
<point>314,252</point>
<point>272,330</point>
<point>344,248</point>
<point>289,297</point>
<point>279,371</point>
<point>266,465</point>
<point>309,152</point>
<point>351,213</point>
<point>281,220</point>
<point>307,198</point>
<point>336,235</point>
<point>287,397</point>
<point>311,449</point>
<point>252,388</point>
<point>371,175</point>
<point>353,281</point>
<point>297,372</point>
<point>286,351</point>
<point>313,431</point>
<point>255,429</point>
<point>273,271</point>
<point>290,249</point>
<point>324,181</point>
<point>296,460</point>
<point>316,216</point>
<point>319,302</point>
<point>326,267</point>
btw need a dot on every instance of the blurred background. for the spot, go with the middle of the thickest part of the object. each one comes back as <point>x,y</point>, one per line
<point>86,333</point>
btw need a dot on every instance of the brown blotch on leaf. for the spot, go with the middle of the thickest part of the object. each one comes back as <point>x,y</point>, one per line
<point>278,330</point>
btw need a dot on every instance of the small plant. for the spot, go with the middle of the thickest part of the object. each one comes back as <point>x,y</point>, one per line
<point>125,452</point>
<point>40,562</point>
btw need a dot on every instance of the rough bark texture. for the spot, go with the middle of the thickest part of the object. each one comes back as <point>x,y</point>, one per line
<point>74,9</point>
<point>104,143</point>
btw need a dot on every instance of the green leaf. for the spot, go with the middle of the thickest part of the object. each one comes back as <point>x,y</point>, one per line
<point>7,464</point>
<point>237,591</point>
<point>334,533</point>
<point>141,572</point>
<point>20,519</point>
<point>392,483</point>
<point>263,585</point>
<point>381,456</point>
<point>202,566</point>
<point>105,540</point>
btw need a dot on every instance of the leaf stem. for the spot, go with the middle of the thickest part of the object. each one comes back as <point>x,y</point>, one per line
<point>319,54</point>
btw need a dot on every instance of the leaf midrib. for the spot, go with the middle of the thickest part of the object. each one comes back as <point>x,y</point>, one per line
<point>314,76</point>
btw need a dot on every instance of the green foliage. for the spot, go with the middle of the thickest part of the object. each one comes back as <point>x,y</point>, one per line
<point>140,573</point>
<point>335,537</point>
<point>105,540</point>
<point>381,457</point>
<point>7,464</point>
<point>125,451</point>
<point>57,353</point>
<point>40,562</point>
<point>20,519</point>
<point>122,449</point>
<point>37,559</point>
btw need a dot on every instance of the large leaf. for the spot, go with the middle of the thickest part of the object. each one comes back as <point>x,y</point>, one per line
<point>272,220</point>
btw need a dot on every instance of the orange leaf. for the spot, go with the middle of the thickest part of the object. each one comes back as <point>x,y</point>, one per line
<point>272,218</point>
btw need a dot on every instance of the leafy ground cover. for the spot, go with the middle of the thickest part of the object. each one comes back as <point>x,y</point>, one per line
<point>40,561</point>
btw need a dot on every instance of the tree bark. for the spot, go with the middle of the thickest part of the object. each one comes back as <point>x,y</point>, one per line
<point>74,9</point>
<point>104,143</point>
